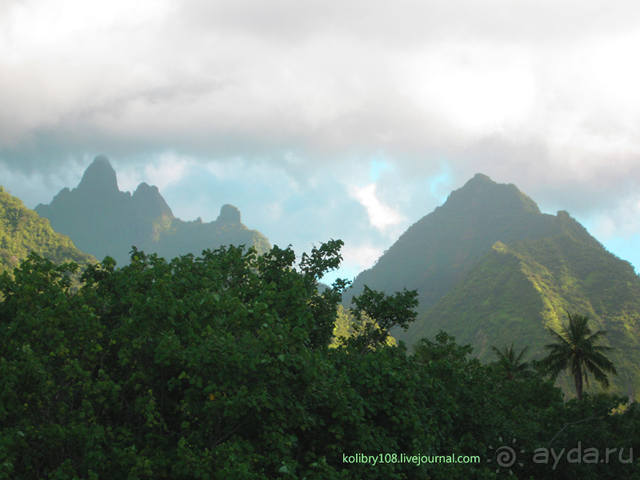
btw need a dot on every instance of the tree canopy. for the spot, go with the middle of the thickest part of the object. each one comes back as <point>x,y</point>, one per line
<point>219,366</point>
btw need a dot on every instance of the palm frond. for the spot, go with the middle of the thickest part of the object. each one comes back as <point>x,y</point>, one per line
<point>576,349</point>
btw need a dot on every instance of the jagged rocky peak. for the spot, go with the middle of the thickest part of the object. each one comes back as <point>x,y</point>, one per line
<point>481,193</point>
<point>99,176</point>
<point>146,191</point>
<point>147,198</point>
<point>229,214</point>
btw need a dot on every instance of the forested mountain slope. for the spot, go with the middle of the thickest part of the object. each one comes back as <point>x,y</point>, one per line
<point>22,231</point>
<point>491,269</point>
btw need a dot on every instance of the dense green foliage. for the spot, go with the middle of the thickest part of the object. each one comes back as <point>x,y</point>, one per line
<point>102,220</point>
<point>219,367</point>
<point>22,231</point>
<point>511,363</point>
<point>490,269</point>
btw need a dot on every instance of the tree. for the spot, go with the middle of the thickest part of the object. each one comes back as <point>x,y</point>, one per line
<point>510,362</point>
<point>376,314</point>
<point>219,366</point>
<point>576,349</point>
<point>215,366</point>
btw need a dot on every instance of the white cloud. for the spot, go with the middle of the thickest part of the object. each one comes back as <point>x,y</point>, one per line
<point>357,258</point>
<point>536,92</point>
<point>230,78</point>
<point>479,89</point>
<point>168,169</point>
<point>381,216</point>
<point>620,221</point>
<point>162,170</point>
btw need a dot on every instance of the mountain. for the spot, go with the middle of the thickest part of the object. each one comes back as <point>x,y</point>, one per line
<point>22,231</point>
<point>438,250</point>
<point>102,220</point>
<point>491,269</point>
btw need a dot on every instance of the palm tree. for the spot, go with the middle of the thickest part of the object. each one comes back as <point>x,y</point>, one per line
<point>576,349</point>
<point>511,363</point>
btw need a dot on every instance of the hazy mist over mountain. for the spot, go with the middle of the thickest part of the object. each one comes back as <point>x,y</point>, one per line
<point>103,221</point>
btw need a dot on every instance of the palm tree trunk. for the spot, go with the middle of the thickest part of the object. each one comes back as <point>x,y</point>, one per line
<point>578,381</point>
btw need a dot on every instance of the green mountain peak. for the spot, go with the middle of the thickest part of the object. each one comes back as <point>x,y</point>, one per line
<point>481,194</point>
<point>491,269</point>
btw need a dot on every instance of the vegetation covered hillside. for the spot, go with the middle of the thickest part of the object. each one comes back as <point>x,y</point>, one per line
<point>102,220</point>
<point>22,231</point>
<point>220,367</point>
<point>442,247</point>
<point>514,291</point>
<point>492,270</point>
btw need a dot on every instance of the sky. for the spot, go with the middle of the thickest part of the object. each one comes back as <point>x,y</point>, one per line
<point>322,120</point>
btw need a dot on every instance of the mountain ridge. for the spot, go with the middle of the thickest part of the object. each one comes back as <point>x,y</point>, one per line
<point>23,231</point>
<point>103,220</point>
<point>476,235</point>
<point>491,269</point>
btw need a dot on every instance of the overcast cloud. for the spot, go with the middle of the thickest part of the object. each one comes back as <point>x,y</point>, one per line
<point>288,109</point>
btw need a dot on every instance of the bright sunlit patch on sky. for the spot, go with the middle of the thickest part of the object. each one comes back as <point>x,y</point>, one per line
<point>361,256</point>
<point>377,167</point>
<point>478,89</point>
<point>163,170</point>
<point>168,169</point>
<point>440,184</point>
<point>613,73</point>
<point>356,258</point>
